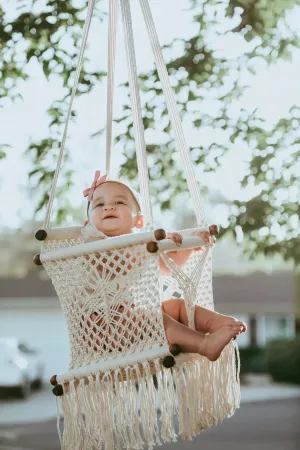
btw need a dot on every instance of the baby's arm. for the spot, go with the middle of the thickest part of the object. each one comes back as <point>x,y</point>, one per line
<point>181,257</point>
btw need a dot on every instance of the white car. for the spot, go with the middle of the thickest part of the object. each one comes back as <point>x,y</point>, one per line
<point>21,367</point>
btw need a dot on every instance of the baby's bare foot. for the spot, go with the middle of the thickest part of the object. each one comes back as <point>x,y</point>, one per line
<point>213,344</point>
<point>219,320</point>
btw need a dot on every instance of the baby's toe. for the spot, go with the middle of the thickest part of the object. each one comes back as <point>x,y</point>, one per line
<point>240,323</point>
<point>243,325</point>
<point>237,328</point>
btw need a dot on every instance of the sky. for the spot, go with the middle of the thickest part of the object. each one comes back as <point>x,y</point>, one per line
<point>26,120</point>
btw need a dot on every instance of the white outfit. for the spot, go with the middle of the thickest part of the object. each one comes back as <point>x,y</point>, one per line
<point>90,233</point>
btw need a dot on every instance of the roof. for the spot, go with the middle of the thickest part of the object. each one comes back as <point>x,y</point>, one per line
<point>253,293</point>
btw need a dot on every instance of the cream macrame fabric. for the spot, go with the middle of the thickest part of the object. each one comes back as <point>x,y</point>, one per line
<point>117,394</point>
<point>110,399</point>
<point>107,285</point>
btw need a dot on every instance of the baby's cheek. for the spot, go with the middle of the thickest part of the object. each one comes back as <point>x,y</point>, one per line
<point>128,216</point>
<point>95,218</point>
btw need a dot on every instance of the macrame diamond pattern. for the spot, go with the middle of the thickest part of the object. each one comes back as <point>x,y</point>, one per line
<point>111,301</point>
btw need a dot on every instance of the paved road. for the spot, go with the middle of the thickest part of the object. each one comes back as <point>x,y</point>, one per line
<point>273,425</point>
<point>40,406</point>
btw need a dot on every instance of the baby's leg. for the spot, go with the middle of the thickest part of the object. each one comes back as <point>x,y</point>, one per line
<point>206,321</point>
<point>192,341</point>
<point>175,308</point>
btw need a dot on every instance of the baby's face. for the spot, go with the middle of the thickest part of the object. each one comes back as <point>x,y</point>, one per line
<point>113,209</point>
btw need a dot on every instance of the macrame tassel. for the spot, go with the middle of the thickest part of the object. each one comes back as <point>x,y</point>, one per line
<point>148,406</point>
<point>167,403</point>
<point>126,410</point>
<point>58,422</point>
<point>133,410</point>
<point>73,433</point>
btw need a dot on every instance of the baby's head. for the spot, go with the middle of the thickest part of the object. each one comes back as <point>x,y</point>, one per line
<point>113,208</point>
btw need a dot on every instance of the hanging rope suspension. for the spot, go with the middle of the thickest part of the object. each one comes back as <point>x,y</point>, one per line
<point>174,116</point>
<point>137,114</point>
<point>111,295</point>
<point>86,29</point>
<point>112,36</point>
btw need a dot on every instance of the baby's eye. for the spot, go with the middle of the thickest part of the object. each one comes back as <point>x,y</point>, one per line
<point>99,204</point>
<point>120,202</point>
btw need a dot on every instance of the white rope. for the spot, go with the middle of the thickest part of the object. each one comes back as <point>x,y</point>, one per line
<point>174,116</point>
<point>112,35</point>
<point>137,114</point>
<point>64,138</point>
<point>136,108</point>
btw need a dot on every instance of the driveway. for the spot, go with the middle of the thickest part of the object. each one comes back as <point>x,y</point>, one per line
<point>271,425</point>
<point>41,405</point>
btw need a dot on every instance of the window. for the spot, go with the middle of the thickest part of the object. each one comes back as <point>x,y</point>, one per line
<point>276,327</point>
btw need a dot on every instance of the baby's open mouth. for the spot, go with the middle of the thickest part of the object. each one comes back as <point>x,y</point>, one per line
<point>110,217</point>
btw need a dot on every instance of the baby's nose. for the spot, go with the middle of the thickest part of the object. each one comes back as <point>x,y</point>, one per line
<point>108,207</point>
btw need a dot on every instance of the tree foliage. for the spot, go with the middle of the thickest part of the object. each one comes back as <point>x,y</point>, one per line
<point>271,219</point>
<point>203,74</point>
<point>37,32</point>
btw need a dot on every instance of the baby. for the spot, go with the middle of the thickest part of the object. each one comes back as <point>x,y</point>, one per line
<point>114,210</point>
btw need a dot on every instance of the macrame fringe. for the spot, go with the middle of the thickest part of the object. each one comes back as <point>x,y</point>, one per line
<point>109,414</point>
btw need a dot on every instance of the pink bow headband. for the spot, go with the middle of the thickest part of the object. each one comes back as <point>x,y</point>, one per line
<point>98,180</point>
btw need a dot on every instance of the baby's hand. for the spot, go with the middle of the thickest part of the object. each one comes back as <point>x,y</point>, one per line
<point>205,235</point>
<point>176,237</point>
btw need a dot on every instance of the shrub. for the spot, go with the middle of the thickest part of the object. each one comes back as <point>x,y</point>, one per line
<point>252,359</point>
<point>282,360</point>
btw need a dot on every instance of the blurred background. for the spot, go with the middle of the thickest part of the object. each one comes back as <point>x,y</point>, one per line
<point>234,66</point>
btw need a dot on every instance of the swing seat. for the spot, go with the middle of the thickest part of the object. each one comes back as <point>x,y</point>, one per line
<point>115,373</point>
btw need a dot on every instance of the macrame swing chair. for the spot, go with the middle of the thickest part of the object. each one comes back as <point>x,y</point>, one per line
<point>108,397</point>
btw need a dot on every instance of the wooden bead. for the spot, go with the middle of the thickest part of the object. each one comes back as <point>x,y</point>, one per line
<point>160,234</point>
<point>53,380</point>
<point>41,235</point>
<point>58,390</point>
<point>214,230</point>
<point>175,349</point>
<point>152,247</point>
<point>37,260</point>
<point>168,362</point>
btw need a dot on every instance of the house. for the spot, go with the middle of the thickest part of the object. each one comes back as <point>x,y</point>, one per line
<point>30,310</point>
<point>265,301</point>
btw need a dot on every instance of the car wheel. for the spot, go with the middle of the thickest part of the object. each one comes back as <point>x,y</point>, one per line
<point>37,384</point>
<point>23,391</point>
